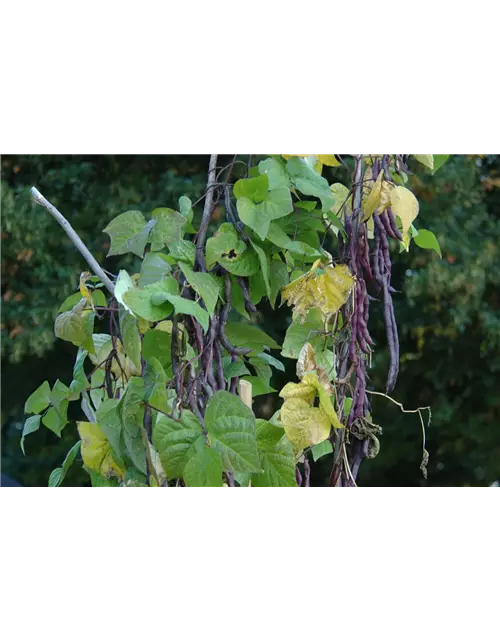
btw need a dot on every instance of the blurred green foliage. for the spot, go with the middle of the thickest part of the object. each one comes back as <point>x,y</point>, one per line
<point>448,310</point>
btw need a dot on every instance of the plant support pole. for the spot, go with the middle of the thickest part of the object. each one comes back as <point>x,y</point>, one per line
<point>74,237</point>
<point>207,213</point>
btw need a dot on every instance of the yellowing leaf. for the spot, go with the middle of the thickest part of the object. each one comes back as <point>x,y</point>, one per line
<point>340,194</point>
<point>84,276</point>
<point>96,451</point>
<point>326,289</point>
<point>304,425</point>
<point>325,403</point>
<point>385,196</point>
<point>306,363</point>
<point>301,390</point>
<point>405,205</point>
<point>373,200</point>
<point>370,226</point>
<point>330,161</point>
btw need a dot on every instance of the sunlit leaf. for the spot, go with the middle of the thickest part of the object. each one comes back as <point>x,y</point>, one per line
<point>372,202</point>
<point>123,284</point>
<point>427,160</point>
<point>405,206</point>
<point>276,172</point>
<point>253,188</point>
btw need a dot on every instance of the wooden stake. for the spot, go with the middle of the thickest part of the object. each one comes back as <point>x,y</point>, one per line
<point>245,392</point>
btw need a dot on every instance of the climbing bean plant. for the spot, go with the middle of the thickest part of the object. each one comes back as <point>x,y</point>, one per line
<point>165,377</point>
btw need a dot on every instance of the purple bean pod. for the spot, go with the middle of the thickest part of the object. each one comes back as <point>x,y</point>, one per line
<point>363,330</point>
<point>376,258</point>
<point>366,254</point>
<point>386,256</point>
<point>221,383</point>
<point>366,309</point>
<point>355,395</point>
<point>357,409</point>
<point>384,219</point>
<point>392,340</point>
<point>298,477</point>
<point>249,305</point>
<point>394,362</point>
<point>394,225</point>
<point>358,317</point>
<point>363,250</point>
<point>348,226</point>
<point>353,256</point>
